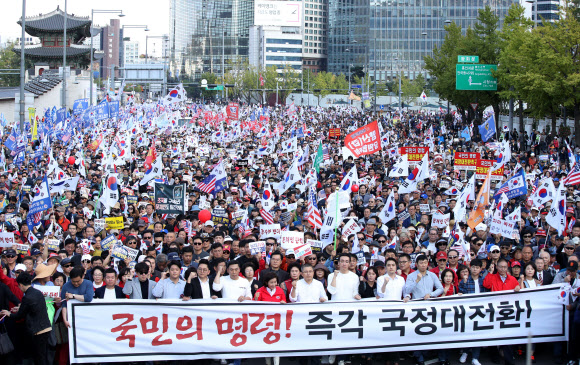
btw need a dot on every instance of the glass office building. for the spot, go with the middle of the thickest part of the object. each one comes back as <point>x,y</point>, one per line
<point>395,34</point>
<point>206,34</point>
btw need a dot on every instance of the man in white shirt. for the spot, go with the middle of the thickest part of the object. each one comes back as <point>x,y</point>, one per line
<point>343,284</point>
<point>233,287</point>
<point>390,286</point>
<point>307,290</point>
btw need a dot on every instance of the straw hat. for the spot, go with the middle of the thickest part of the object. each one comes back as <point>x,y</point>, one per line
<point>44,271</point>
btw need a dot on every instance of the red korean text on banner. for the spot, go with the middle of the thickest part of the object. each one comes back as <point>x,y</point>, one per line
<point>414,154</point>
<point>232,111</point>
<point>466,160</point>
<point>364,141</point>
<point>483,166</point>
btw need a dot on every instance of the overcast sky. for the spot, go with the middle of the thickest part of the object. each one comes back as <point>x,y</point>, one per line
<point>153,13</point>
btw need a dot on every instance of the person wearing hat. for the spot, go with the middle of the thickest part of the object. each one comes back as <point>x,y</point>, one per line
<point>10,255</point>
<point>570,220</point>
<point>43,273</point>
<point>570,275</point>
<point>34,311</point>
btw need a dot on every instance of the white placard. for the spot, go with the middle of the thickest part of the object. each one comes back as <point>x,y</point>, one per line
<point>302,250</point>
<point>270,231</point>
<point>440,220</point>
<point>257,247</point>
<point>6,239</point>
<point>291,239</point>
<point>48,291</point>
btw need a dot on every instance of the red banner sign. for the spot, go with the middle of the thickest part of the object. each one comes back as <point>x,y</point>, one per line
<point>414,154</point>
<point>483,167</point>
<point>364,141</point>
<point>334,133</point>
<point>232,111</point>
<point>466,160</point>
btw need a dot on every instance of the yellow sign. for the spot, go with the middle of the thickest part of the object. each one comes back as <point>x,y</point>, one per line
<point>32,119</point>
<point>115,223</point>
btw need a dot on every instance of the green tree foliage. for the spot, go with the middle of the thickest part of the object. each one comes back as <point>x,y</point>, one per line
<point>411,89</point>
<point>11,60</point>
<point>211,78</point>
<point>482,40</point>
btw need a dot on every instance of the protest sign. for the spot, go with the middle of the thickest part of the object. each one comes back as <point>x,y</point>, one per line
<point>466,160</point>
<point>364,141</point>
<point>316,245</point>
<point>122,252</point>
<point>132,199</point>
<point>22,249</point>
<point>425,208</point>
<point>239,215</point>
<point>49,291</point>
<point>257,247</point>
<point>351,227</point>
<point>270,231</point>
<point>204,203</point>
<point>291,239</point>
<point>440,220</point>
<point>7,239</point>
<point>170,199</point>
<point>219,215</point>
<point>414,154</point>
<point>53,245</point>
<point>114,223</point>
<point>461,323</point>
<point>360,258</point>
<point>483,167</point>
<point>108,242</point>
<point>302,250</point>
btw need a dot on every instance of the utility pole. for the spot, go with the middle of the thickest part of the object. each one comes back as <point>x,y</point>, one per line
<point>64,60</point>
<point>22,42</point>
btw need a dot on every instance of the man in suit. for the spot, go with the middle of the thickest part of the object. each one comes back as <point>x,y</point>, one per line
<point>33,310</point>
<point>110,290</point>
<point>545,276</point>
<point>200,287</point>
<point>142,288</point>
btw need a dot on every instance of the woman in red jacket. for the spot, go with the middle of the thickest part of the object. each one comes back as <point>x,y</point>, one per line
<point>270,291</point>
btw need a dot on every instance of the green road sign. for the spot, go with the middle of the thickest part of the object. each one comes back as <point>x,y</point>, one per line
<point>468,59</point>
<point>218,87</point>
<point>475,77</point>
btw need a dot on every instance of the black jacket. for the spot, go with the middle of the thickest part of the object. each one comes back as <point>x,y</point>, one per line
<point>100,292</point>
<point>7,297</point>
<point>33,309</point>
<point>193,289</point>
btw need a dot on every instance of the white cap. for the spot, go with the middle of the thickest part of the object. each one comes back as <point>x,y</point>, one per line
<point>86,257</point>
<point>208,224</point>
<point>20,267</point>
<point>481,227</point>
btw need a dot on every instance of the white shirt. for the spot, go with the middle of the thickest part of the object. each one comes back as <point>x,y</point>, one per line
<point>308,293</point>
<point>394,289</point>
<point>110,294</point>
<point>346,286</point>
<point>205,288</point>
<point>233,289</point>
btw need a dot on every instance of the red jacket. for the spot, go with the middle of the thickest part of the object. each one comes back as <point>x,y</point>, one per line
<point>493,282</point>
<point>12,285</point>
<point>265,296</point>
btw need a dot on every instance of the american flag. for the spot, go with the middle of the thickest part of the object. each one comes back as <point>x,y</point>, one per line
<point>325,153</point>
<point>535,186</point>
<point>208,184</point>
<point>215,180</point>
<point>267,216</point>
<point>504,189</point>
<point>314,217</point>
<point>573,177</point>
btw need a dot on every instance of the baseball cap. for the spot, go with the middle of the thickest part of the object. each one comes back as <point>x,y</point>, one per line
<point>208,224</point>
<point>20,267</point>
<point>570,210</point>
<point>86,257</point>
<point>493,247</point>
<point>481,227</point>
<point>172,256</point>
<point>516,263</point>
<point>441,255</point>
<point>65,261</point>
<point>572,265</point>
<point>9,251</point>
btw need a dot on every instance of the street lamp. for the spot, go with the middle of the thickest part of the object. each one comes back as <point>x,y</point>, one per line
<point>144,27</point>
<point>93,11</point>
<point>22,42</point>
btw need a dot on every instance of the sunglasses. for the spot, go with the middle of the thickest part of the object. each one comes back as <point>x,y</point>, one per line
<point>441,260</point>
<point>132,243</point>
<point>382,241</point>
<point>68,265</point>
<point>86,261</point>
<point>495,251</point>
<point>10,256</point>
<point>158,241</point>
<point>147,237</point>
<point>197,243</point>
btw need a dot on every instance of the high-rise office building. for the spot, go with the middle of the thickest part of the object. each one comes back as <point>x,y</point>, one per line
<point>131,52</point>
<point>315,30</point>
<point>110,44</point>
<point>208,36</point>
<point>394,36</point>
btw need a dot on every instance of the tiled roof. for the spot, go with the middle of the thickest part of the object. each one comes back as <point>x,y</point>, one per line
<point>54,21</point>
<point>53,52</point>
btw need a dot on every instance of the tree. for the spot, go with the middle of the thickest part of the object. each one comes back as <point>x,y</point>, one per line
<point>412,89</point>
<point>11,60</point>
<point>482,40</point>
<point>211,78</point>
<point>245,79</point>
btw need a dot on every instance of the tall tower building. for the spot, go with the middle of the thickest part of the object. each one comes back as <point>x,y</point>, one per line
<point>315,31</point>
<point>208,36</point>
<point>393,36</point>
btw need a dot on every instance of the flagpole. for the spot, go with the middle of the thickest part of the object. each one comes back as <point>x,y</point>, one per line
<point>336,226</point>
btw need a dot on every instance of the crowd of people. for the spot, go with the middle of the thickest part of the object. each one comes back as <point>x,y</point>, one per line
<point>189,256</point>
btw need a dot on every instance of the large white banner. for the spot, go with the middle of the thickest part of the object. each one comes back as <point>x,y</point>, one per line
<point>143,330</point>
